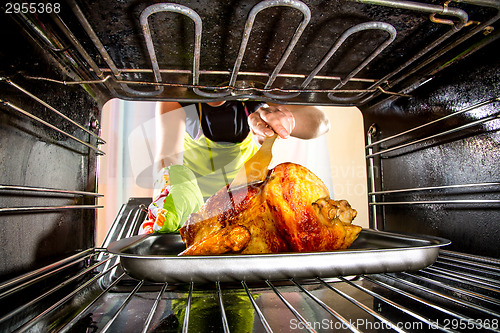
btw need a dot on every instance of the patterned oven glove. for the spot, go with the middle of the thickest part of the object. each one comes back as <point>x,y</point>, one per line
<point>176,196</point>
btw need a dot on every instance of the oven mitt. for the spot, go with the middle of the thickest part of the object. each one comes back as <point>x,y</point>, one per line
<point>176,196</point>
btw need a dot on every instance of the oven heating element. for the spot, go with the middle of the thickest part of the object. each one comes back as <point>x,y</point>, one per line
<point>121,88</point>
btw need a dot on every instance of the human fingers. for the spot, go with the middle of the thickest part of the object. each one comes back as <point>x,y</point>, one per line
<point>279,119</point>
<point>258,126</point>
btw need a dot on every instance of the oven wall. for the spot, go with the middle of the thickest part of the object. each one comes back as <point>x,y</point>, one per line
<point>466,156</point>
<point>33,154</point>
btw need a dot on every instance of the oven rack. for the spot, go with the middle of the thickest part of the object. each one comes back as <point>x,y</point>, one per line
<point>458,292</point>
<point>120,87</point>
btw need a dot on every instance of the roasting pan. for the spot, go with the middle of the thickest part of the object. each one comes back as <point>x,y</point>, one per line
<point>154,258</point>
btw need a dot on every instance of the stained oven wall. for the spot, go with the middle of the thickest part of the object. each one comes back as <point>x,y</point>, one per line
<point>469,155</point>
<point>34,155</point>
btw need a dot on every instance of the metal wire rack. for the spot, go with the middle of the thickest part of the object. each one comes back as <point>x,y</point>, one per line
<point>460,291</point>
<point>404,302</point>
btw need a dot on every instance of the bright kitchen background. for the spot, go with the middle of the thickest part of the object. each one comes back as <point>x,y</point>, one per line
<point>338,158</point>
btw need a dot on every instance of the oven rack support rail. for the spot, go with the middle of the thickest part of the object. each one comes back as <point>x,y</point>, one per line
<point>386,148</point>
<point>458,292</point>
<point>50,192</point>
<point>26,113</point>
<point>450,16</point>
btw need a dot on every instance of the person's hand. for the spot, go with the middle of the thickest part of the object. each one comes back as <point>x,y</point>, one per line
<point>176,196</point>
<point>269,120</point>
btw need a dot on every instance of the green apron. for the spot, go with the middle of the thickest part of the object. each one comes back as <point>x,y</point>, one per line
<point>216,164</point>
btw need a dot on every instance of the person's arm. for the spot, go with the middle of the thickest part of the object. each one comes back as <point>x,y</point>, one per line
<point>176,192</point>
<point>304,122</point>
<point>170,127</point>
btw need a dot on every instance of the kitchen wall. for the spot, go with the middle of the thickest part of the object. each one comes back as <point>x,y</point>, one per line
<point>346,144</point>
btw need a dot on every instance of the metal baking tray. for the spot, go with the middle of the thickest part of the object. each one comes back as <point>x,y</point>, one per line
<point>154,258</point>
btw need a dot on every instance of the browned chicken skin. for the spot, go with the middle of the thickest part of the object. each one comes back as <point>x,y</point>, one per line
<point>291,211</point>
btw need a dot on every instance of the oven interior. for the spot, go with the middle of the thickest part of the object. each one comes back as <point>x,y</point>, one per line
<point>425,76</point>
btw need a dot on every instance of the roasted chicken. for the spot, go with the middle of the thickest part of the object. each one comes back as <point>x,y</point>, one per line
<point>291,211</point>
